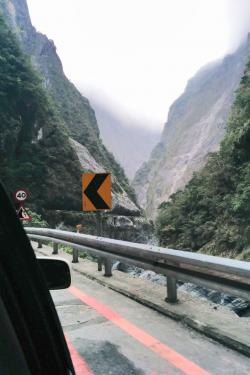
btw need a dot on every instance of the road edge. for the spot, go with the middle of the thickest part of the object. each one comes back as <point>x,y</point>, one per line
<point>206,329</point>
<point>218,335</point>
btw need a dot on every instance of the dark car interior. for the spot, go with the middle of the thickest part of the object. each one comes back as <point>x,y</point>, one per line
<point>32,340</point>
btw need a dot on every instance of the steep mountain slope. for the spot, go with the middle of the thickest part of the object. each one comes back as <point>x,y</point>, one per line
<point>130,143</point>
<point>35,151</point>
<point>212,213</point>
<point>195,127</point>
<point>72,109</point>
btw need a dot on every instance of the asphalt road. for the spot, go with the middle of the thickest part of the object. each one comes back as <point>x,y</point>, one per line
<point>109,334</point>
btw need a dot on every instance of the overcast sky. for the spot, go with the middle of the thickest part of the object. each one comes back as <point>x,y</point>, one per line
<point>136,56</point>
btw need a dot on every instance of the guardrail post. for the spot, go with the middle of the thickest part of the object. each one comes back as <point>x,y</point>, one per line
<point>39,244</point>
<point>99,262</point>
<point>75,256</point>
<point>107,267</point>
<point>55,248</point>
<point>171,290</point>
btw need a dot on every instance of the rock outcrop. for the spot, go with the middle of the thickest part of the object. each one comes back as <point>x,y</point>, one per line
<point>120,199</point>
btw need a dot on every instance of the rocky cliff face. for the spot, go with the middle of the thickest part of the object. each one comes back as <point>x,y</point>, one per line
<point>195,126</point>
<point>75,115</point>
<point>120,200</point>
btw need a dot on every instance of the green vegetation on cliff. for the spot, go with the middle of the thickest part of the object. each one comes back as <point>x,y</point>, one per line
<point>212,213</point>
<point>34,149</point>
<point>36,220</point>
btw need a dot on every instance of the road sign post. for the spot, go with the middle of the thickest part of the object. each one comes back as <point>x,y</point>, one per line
<point>20,196</point>
<point>97,197</point>
<point>99,233</point>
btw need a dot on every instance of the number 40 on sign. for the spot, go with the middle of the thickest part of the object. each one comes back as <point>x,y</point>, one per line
<point>21,195</point>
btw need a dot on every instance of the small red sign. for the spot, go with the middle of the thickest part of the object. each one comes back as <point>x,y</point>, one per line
<point>23,214</point>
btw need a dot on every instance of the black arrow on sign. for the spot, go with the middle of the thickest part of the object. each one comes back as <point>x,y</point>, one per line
<point>92,194</point>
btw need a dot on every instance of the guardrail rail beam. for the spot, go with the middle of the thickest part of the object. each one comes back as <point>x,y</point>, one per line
<point>225,275</point>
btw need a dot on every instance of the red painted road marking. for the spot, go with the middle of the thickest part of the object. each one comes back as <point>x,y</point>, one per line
<point>176,359</point>
<point>81,367</point>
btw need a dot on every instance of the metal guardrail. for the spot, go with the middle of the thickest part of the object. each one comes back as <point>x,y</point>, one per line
<point>222,274</point>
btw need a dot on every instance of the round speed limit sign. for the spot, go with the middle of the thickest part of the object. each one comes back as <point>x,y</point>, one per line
<point>21,195</point>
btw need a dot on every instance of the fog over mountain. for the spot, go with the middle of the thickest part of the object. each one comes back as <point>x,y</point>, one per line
<point>139,54</point>
<point>126,138</point>
<point>238,14</point>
